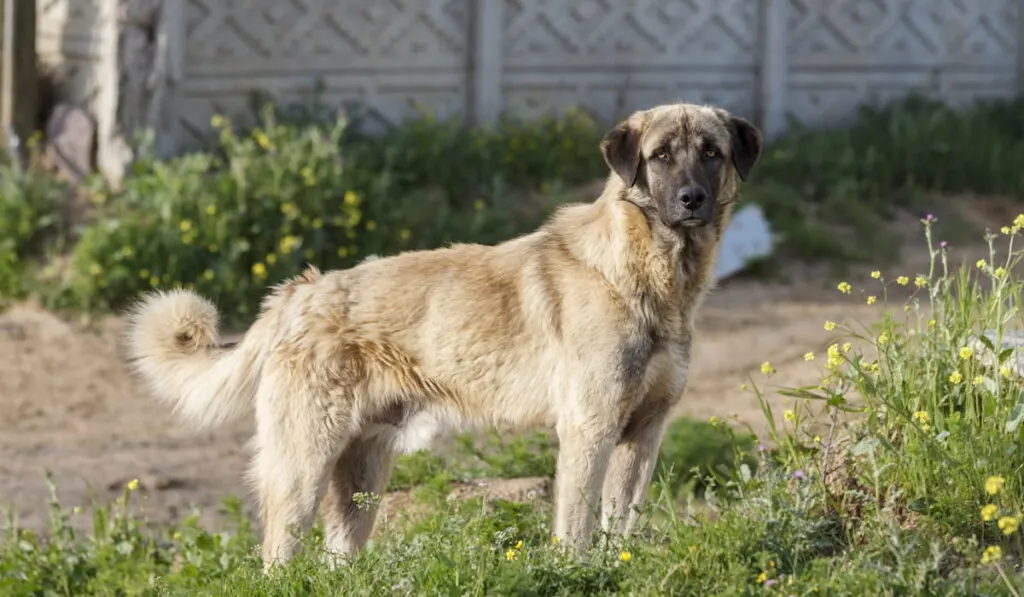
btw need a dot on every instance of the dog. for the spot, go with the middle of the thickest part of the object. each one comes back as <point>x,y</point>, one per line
<point>584,325</point>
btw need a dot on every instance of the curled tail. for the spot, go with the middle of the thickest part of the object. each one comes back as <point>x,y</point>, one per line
<point>173,344</point>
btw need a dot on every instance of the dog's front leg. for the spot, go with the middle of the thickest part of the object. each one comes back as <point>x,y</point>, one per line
<point>583,456</point>
<point>631,467</point>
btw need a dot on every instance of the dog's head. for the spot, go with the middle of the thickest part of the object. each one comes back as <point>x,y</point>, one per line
<point>680,162</point>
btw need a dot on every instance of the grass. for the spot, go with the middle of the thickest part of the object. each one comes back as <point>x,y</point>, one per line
<point>917,492</point>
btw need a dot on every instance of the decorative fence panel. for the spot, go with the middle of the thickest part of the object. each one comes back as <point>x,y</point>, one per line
<point>774,61</point>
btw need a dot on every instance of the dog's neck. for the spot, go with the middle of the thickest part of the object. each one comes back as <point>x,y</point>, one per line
<point>642,253</point>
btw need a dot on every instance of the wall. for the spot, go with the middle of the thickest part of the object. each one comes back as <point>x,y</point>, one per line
<point>812,61</point>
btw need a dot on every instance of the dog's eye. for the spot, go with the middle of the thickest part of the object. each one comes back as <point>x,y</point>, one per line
<point>661,155</point>
<point>710,153</point>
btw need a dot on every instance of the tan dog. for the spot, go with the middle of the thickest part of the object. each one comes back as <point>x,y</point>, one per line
<point>584,325</point>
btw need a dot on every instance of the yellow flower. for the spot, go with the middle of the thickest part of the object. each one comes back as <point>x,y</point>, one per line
<point>816,439</point>
<point>554,540</point>
<point>143,273</point>
<point>809,356</point>
<point>966,352</point>
<point>519,544</point>
<point>185,225</point>
<point>271,259</point>
<point>994,484</point>
<point>872,299</point>
<point>217,121</point>
<point>844,287</point>
<point>989,511</point>
<point>342,252</point>
<point>876,274</point>
<point>921,417</point>
<point>351,198</point>
<point>478,205</point>
<point>263,140</point>
<point>1005,371</point>
<point>743,387</point>
<point>883,337</point>
<point>317,223</point>
<point>767,368</point>
<point>762,577</point>
<point>920,281</point>
<point>692,549</point>
<point>902,280</point>
<point>1005,230</point>
<point>404,234</point>
<point>625,556</point>
<point>309,254</point>
<point>95,269</point>
<point>287,244</point>
<point>511,554</point>
<point>713,420</point>
<point>992,553</point>
<point>980,264</point>
<point>847,346</point>
<point>213,248</point>
<point>308,178</point>
<point>211,210</point>
<point>955,377</point>
<point>789,415</point>
<point>1018,222</point>
<point>978,380</point>
<point>1008,524</point>
<point>154,281</point>
<point>371,225</point>
<point>132,485</point>
<point>208,274</point>
<point>1000,272</point>
<point>830,325</point>
<point>931,323</point>
<point>259,270</point>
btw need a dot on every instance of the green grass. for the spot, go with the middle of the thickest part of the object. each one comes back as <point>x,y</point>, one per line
<point>911,494</point>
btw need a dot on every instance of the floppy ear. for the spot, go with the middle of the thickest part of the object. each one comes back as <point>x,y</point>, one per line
<point>621,151</point>
<point>746,143</point>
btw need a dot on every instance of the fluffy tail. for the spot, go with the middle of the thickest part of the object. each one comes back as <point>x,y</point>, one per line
<point>173,344</point>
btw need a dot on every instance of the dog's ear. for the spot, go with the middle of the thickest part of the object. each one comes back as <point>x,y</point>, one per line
<point>621,151</point>
<point>746,144</point>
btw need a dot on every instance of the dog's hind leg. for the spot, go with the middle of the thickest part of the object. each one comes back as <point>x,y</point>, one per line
<point>364,467</point>
<point>297,439</point>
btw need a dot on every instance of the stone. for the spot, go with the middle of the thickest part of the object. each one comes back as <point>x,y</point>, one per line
<point>70,141</point>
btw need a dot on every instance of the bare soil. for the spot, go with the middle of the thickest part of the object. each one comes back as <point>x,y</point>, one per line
<point>68,405</point>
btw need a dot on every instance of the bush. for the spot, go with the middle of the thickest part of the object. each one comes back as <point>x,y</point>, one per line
<point>29,203</point>
<point>813,182</point>
<point>229,222</point>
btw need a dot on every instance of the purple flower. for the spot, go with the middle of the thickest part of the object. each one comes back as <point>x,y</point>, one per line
<point>769,583</point>
<point>799,474</point>
<point>929,218</point>
<point>943,245</point>
<point>761,447</point>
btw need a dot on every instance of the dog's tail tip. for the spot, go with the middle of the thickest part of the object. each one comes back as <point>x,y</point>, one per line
<point>167,322</point>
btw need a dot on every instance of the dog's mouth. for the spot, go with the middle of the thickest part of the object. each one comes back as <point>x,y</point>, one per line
<point>691,222</point>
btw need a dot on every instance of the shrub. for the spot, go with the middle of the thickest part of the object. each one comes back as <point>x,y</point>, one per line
<point>813,182</point>
<point>29,203</point>
<point>261,206</point>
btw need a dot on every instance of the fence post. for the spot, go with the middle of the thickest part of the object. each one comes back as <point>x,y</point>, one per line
<point>20,83</point>
<point>169,71</point>
<point>774,67</point>
<point>487,60</point>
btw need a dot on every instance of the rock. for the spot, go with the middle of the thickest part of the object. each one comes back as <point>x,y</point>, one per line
<point>747,237</point>
<point>70,139</point>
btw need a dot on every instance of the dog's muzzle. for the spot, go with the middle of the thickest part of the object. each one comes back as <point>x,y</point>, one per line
<point>693,206</point>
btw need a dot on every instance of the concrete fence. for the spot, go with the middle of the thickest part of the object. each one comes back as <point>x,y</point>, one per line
<point>171,64</point>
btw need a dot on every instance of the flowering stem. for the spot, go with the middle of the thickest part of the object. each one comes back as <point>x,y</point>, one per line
<point>1006,580</point>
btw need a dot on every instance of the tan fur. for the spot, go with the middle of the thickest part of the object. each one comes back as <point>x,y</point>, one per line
<point>584,325</point>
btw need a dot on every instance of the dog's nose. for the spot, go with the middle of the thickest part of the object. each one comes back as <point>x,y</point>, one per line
<point>693,196</point>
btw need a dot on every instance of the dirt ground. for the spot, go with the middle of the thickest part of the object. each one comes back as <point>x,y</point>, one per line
<point>67,404</point>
